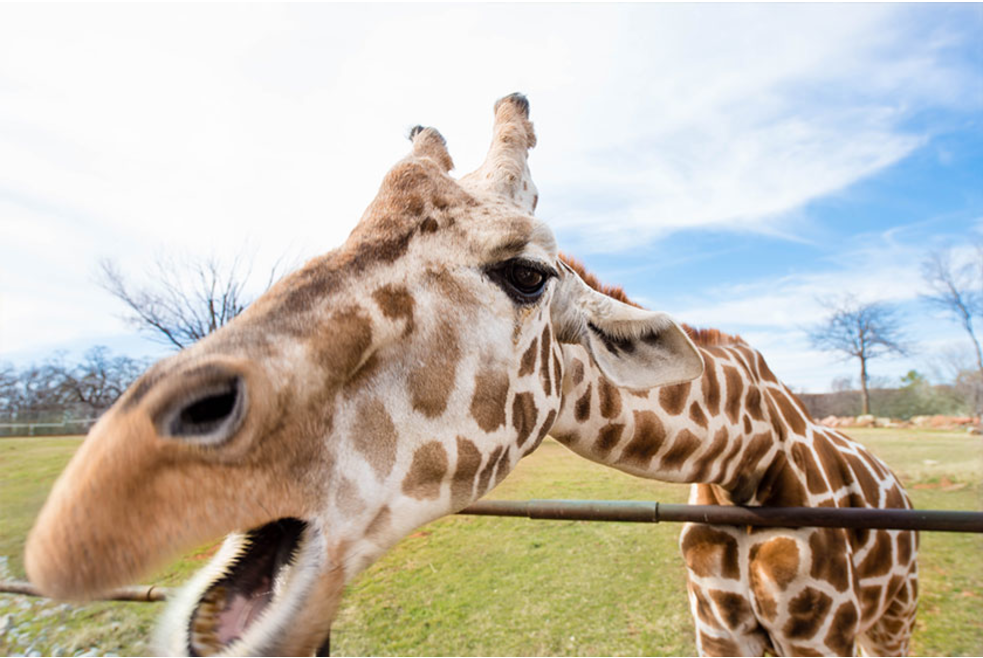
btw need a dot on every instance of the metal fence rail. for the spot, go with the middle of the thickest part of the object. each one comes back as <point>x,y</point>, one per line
<point>787,517</point>
<point>137,593</point>
<point>655,512</point>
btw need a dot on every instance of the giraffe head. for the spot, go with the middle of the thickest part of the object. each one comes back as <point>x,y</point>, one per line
<point>381,386</point>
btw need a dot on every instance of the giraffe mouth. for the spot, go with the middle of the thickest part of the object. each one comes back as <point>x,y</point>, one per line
<point>256,580</point>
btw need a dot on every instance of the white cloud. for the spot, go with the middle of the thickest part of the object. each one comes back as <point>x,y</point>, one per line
<point>125,129</point>
<point>775,314</point>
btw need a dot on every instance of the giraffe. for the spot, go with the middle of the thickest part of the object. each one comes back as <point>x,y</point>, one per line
<point>384,384</point>
<point>742,438</point>
<point>400,377</point>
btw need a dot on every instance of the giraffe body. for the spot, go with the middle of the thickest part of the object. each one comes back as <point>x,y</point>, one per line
<point>393,381</point>
<point>743,438</point>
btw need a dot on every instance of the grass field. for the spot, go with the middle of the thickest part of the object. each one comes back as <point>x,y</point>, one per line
<point>497,586</point>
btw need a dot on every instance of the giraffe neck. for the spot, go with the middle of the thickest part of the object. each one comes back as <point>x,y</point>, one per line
<point>723,429</point>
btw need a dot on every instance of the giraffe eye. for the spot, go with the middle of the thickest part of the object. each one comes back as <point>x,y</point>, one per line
<point>523,281</point>
<point>526,280</point>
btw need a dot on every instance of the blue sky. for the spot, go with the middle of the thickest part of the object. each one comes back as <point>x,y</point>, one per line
<point>729,164</point>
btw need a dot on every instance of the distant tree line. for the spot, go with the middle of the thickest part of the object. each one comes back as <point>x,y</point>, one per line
<point>865,330</point>
<point>56,391</point>
<point>188,299</point>
<point>915,397</point>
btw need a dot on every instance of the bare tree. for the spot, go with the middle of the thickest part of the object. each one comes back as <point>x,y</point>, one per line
<point>859,330</point>
<point>9,387</point>
<point>187,300</point>
<point>957,289</point>
<point>101,378</point>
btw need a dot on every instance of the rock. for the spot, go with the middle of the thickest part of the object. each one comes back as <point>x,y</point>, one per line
<point>866,420</point>
<point>6,623</point>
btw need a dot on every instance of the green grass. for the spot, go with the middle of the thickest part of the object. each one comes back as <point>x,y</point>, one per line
<point>498,586</point>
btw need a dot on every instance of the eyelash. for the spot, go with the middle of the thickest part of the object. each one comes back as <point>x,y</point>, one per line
<point>504,275</point>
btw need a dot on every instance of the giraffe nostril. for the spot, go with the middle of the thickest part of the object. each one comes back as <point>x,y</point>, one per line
<point>212,413</point>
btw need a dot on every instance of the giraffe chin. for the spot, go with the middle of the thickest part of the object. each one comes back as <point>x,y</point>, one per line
<point>253,596</point>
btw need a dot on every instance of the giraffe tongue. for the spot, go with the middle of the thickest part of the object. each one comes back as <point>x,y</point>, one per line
<point>233,603</point>
<point>241,611</point>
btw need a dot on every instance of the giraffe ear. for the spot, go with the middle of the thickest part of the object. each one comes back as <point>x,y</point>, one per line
<point>633,347</point>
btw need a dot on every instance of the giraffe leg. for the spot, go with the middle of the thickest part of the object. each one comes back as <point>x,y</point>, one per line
<point>725,625</point>
<point>803,593</point>
<point>719,598</point>
<point>890,635</point>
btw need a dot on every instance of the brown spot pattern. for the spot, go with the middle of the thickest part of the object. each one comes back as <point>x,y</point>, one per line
<point>502,467</point>
<point>703,609</point>
<point>341,343</point>
<point>753,404</point>
<point>608,438</point>
<point>578,372</point>
<point>610,398</point>
<point>777,560</point>
<point>829,557</point>
<point>581,409</point>
<point>870,600</point>
<point>780,485</point>
<point>734,392</point>
<point>706,460</point>
<point>717,646</point>
<point>832,463</point>
<point>843,630</point>
<point>451,288</point>
<point>790,413</point>
<point>802,456</point>
<point>547,426</point>
<point>895,499</point>
<point>710,552</point>
<point>765,371</point>
<point>735,450</point>
<point>877,562</point>
<point>431,383</point>
<point>544,360</point>
<point>427,471</point>
<point>710,386</point>
<point>374,435</point>
<point>396,303</point>
<point>746,477</point>
<point>870,487</point>
<point>528,362</point>
<point>734,609</point>
<point>491,390</point>
<point>485,476</point>
<point>696,414</point>
<point>673,398</point>
<point>649,435</point>
<point>468,462</point>
<point>807,612</point>
<point>523,416</point>
<point>684,445</point>
<point>904,546</point>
